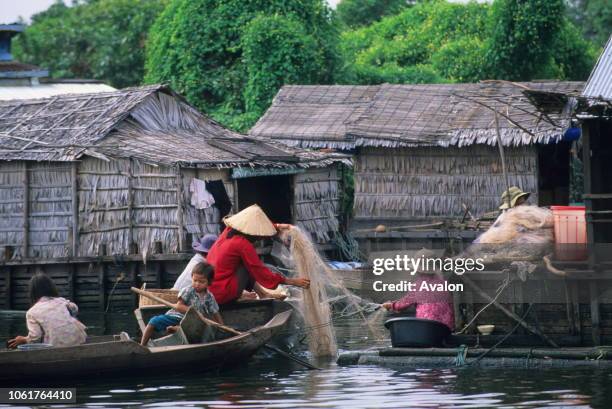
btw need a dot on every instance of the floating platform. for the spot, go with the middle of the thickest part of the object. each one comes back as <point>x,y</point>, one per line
<point>533,358</point>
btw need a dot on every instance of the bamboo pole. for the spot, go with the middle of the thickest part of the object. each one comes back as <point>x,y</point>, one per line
<point>179,209</point>
<point>75,210</point>
<point>542,353</point>
<point>130,207</point>
<point>503,158</point>
<point>26,210</point>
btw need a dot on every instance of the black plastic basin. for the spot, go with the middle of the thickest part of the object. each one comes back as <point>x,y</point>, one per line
<point>416,332</point>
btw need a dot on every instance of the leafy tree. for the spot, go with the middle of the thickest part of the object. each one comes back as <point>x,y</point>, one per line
<point>197,46</point>
<point>355,13</point>
<point>276,51</point>
<point>442,41</point>
<point>595,18</point>
<point>401,48</point>
<point>522,34</point>
<point>98,39</point>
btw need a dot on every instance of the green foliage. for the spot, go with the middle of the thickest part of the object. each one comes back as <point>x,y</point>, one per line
<point>277,51</point>
<point>437,41</point>
<point>574,56</point>
<point>522,34</point>
<point>99,39</point>
<point>594,17</point>
<point>197,46</point>
<point>413,46</point>
<point>355,13</point>
<point>461,60</point>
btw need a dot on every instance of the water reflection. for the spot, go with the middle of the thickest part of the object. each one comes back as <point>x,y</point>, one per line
<point>271,382</point>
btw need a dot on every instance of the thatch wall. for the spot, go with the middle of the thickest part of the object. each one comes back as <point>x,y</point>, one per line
<point>425,183</point>
<point>103,197</point>
<point>126,206</point>
<point>317,202</point>
<point>50,210</point>
<point>35,209</point>
<point>12,207</point>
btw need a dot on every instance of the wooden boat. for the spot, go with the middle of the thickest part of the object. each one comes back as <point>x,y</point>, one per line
<point>262,319</point>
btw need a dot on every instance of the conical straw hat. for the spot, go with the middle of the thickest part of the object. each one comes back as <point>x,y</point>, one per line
<point>252,221</point>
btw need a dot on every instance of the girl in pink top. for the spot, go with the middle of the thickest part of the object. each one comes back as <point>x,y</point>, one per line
<point>51,319</point>
<point>430,305</point>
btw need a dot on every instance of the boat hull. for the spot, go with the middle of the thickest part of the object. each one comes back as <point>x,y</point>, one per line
<point>129,357</point>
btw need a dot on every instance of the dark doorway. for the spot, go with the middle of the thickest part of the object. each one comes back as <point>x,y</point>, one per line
<point>274,194</point>
<point>554,174</point>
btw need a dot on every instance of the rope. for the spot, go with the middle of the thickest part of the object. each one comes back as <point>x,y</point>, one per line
<point>461,355</point>
<point>500,289</point>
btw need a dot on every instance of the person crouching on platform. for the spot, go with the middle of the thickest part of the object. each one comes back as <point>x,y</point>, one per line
<point>195,296</point>
<point>201,248</point>
<point>51,319</point>
<point>430,305</point>
<point>237,265</point>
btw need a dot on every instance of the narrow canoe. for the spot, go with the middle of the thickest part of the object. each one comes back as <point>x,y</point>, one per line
<point>262,319</point>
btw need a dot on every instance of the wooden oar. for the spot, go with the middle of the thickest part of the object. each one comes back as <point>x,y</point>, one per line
<point>225,328</point>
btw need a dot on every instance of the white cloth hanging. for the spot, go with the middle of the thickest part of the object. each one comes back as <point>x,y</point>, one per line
<point>200,197</point>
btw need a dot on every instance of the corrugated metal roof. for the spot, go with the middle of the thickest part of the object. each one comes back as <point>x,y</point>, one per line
<point>599,84</point>
<point>50,90</point>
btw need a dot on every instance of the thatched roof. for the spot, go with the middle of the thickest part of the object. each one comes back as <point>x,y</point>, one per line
<point>151,123</point>
<point>411,115</point>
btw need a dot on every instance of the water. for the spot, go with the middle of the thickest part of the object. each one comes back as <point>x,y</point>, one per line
<point>270,382</point>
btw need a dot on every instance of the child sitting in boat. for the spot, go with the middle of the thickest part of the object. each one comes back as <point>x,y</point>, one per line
<point>196,296</point>
<point>430,305</point>
<point>51,319</point>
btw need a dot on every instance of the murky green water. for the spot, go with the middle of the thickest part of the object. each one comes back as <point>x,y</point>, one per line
<point>270,382</point>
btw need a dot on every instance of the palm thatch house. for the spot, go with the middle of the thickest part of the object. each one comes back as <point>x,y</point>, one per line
<point>107,176</point>
<point>429,152</point>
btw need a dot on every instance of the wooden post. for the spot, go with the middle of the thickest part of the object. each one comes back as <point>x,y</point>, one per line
<point>469,309</point>
<point>519,307</point>
<point>587,179</point>
<point>102,286</point>
<point>179,210</point>
<point>576,309</point>
<point>459,323</point>
<point>26,210</point>
<point>71,283</point>
<point>159,271</point>
<point>75,211</point>
<point>595,316</point>
<point>130,208</point>
<point>134,282</point>
<point>8,290</point>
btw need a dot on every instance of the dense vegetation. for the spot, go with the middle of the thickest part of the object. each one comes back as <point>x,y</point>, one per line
<point>229,57</point>
<point>99,39</point>
<point>437,40</point>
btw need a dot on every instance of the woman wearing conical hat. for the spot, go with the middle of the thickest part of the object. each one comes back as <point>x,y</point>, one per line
<point>237,265</point>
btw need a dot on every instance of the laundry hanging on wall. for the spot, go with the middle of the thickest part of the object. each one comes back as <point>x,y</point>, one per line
<point>221,198</point>
<point>201,198</point>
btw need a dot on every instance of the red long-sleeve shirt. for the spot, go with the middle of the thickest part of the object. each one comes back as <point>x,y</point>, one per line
<point>226,256</point>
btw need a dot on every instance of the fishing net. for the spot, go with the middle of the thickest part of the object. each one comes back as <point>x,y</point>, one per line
<point>520,233</point>
<point>325,300</point>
